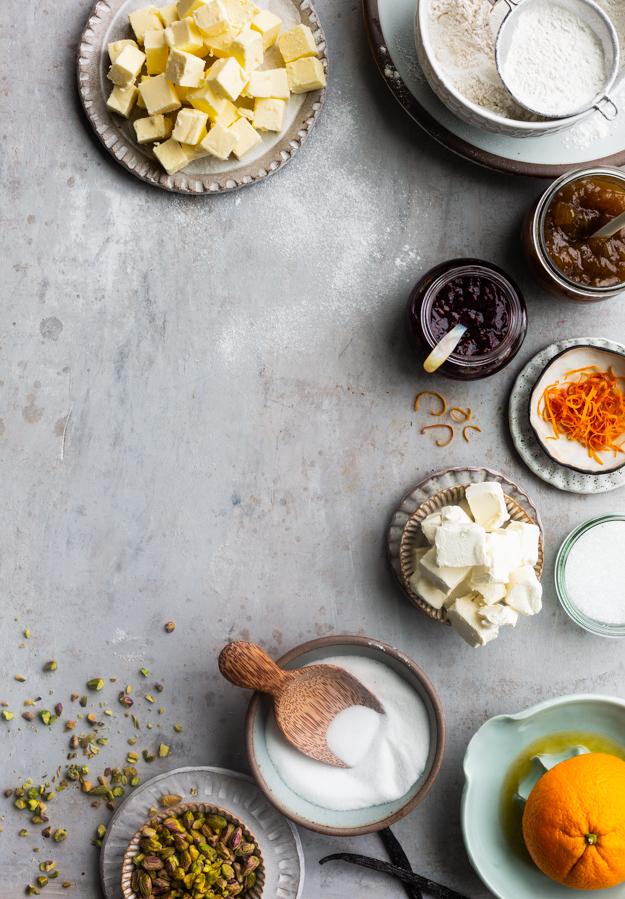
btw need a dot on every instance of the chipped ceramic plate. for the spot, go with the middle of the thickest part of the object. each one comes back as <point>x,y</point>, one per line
<point>109,22</point>
<point>570,453</point>
<point>525,440</point>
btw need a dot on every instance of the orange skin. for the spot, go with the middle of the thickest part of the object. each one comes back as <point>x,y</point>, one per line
<point>574,822</point>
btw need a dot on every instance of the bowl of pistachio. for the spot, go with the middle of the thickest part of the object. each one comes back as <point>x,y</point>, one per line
<point>191,851</point>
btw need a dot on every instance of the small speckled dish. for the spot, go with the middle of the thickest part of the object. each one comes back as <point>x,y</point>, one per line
<point>570,453</point>
<point>359,821</point>
<point>128,866</point>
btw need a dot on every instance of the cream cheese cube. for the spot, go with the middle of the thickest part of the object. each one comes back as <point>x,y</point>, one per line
<point>443,578</point>
<point>144,19</point>
<point>297,42</point>
<point>490,593</point>
<point>227,117</point>
<point>498,616</point>
<point>269,114</point>
<point>463,589</point>
<point>464,617</point>
<point>151,128</point>
<point>187,7</point>
<point>156,52</point>
<point>426,590</point>
<point>190,126</point>
<point>211,18</point>
<point>220,44</point>
<point>220,142</point>
<point>247,138</point>
<point>460,545</point>
<point>434,520</point>
<point>417,555</point>
<point>270,83</point>
<point>116,48</point>
<point>268,26</point>
<point>168,14</point>
<point>503,552</point>
<point>525,591</point>
<point>466,508</point>
<point>185,36</point>
<point>306,74</point>
<point>205,99</point>
<point>171,156</point>
<point>488,504</point>
<point>529,540</point>
<point>184,69</point>
<point>122,100</point>
<point>226,78</point>
<point>240,12</point>
<point>247,49</point>
<point>127,66</point>
<point>159,95</point>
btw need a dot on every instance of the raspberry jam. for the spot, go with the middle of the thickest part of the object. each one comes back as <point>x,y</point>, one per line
<point>479,296</point>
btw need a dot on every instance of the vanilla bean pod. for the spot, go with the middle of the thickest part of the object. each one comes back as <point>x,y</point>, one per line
<point>399,858</point>
<point>435,889</point>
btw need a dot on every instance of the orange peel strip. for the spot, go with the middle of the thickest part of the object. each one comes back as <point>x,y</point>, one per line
<point>432,393</point>
<point>466,428</point>
<point>438,443</point>
<point>465,412</point>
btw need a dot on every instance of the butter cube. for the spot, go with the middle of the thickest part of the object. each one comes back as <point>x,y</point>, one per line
<point>490,593</point>
<point>151,128</point>
<point>187,7</point>
<point>193,153</point>
<point>460,545</point>
<point>305,74</point>
<point>184,36</point>
<point>211,18</point>
<point>220,142</point>
<point>247,138</point>
<point>140,103</point>
<point>205,99</point>
<point>219,45</point>
<point>168,14</point>
<point>156,52</point>
<point>144,19</point>
<point>443,578</point>
<point>464,616</point>
<point>184,69</point>
<point>247,49</point>
<point>488,504</point>
<point>226,78</point>
<point>270,83</point>
<point>171,156</point>
<point>268,26</point>
<point>525,591</point>
<point>269,114</point>
<point>116,48</point>
<point>228,116</point>
<point>122,100</point>
<point>240,12</point>
<point>159,95</point>
<point>427,591</point>
<point>242,112</point>
<point>190,126</point>
<point>297,42</point>
<point>127,66</point>
<point>529,540</point>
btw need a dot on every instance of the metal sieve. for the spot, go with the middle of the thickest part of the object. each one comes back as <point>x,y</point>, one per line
<point>597,20</point>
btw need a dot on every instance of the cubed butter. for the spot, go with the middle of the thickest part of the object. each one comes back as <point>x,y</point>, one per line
<point>270,83</point>
<point>187,7</point>
<point>220,142</point>
<point>460,545</point>
<point>465,618</point>
<point>443,578</point>
<point>247,49</point>
<point>529,540</point>
<point>305,74</point>
<point>127,66</point>
<point>168,14</point>
<point>247,138</point>
<point>488,504</point>
<point>226,78</point>
<point>140,103</point>
<point>171,156</point>
<point>205,99</point>
<point>190,126</point>
<point>269,114</point>
<point>268,26</point>
<point>185,36</point>
<point>219,44</point>
<point>245,113</point>
<point>211,18</point>
<point>116,48</point>
<point>240,12</point>
<point>193,153</point>
<point>296,43</point>
<point>159,95</point>
<point>144,19</point>
<point>525,591</point>
<point>151,128</point>
<point>156,52</point>
<point>122,100</point>
<point>426,590</point>
<point>229,115</point>
<point>184,69</point>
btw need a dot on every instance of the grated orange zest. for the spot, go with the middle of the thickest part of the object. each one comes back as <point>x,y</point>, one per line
<point>466,428</point>
<point>432,393</point>
<point>438,443</point>
<point>465,412</point>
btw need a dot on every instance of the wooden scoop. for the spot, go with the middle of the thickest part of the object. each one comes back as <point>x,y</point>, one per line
<point>305,701</point>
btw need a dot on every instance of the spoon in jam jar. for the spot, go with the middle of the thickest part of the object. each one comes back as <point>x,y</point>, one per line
<point>444,348</point>
<point>611,228</point>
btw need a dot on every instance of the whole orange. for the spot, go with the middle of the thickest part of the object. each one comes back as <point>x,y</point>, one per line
<point>574,822</point>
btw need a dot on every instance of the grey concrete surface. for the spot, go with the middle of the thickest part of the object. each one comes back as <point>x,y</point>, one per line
<point>206,409</point>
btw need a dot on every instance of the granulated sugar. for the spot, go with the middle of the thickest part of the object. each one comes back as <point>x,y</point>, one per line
<point>595,573</point>
<point>388,752</point>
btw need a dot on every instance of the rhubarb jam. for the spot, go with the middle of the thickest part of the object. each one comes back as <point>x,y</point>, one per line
<point>478,303</point>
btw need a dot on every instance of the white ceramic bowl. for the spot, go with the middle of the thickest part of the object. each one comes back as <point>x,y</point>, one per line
<point>470,112</point>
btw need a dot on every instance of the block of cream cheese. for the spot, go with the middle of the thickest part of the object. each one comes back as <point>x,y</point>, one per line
<point>426,590</point>
<point>498,616</point>
<point>297,42</point>
<point>435,519</point>
<point>211,18</point>
<point>116,48</point>
<point>306,74</point>
<point>269,114</point>
<point>525,591</point>
<point>490,593</point>
<point>226,78</point>
<point>443,578</point>
<point>205,99</point>
<point>270,83</point>
<point>247,49</point>
<point>502,550</point>
<point>185,36</point>
<point>151,128</point>
<point>184,69</point>
<point>159,95</point>
<point>466,508</point>
<point>247,138</point>
<point>168,14</point>
<point>122,100</point>
<point>268,26</point>
<point>144,19</point>
<point>488,504</point>
<point>127,66</point>
<point>460,545</point>
<point>529,540</point>
<point>190,126</point>
<point>171,156</point>
<point>240,12</point>
<point>464,617</point>
<point>220,142</point>
<point>417,555</point>
<point>156,52</point>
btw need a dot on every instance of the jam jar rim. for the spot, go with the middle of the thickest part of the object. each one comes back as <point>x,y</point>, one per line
<point>488,270</point>
<point>539,226</point>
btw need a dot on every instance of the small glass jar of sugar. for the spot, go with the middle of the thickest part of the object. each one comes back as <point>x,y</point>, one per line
<point>590,575</point>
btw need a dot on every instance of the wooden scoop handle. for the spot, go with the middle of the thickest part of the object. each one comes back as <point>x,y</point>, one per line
<point>246,665</point>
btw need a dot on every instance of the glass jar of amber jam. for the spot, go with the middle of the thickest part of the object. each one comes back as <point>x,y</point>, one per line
<point>557,242</point>
<point>478,295</point>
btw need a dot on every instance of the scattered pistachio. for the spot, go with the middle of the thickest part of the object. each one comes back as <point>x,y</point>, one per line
<point>46,833</point>
<point>95,804</point>
<point>31,890</point>
<point>86,787</point>
<point>96,683</point>
<point>101,830</point>
<point>45,716</point>
<point>83,701</point>
<point>108,712</point>
<point>20,804</point>
<point>125,700</point>
<point>67,884</point>
<point>135,721</point>
<point>135,781</point>
<point>132,741</point>
<point>170,799</point>
<point>113,679</point>
<point>27,634</point>
<point>193,791</point>
<point>170,626</point>
<point>70,725</point>
<point>159,687</point>
<point>144,672</point>
<point>129,688</point>
<point>178,728</point>
<point>97,843</point>
<point>74,696</point>
<point>73,743</point>
<point>28,702</point>
<point>149,698</point>
<point>50,666</point>
<point>23,833</point>
<point>58,709</point>
<point>160,711</point>
<point>20,678</point>
<point>60,835</point>
<point>102,741</point>
<point>91,718</point>
<point>163,750</point>
<point>149,725</point>
<point>46,867</point>
<point>8,792</point>
<point>54,875</point>
<point>8,716</point>
<point>42,881</point>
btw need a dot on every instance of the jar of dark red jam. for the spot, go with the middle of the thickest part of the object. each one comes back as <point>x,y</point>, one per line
<point>479,296</point>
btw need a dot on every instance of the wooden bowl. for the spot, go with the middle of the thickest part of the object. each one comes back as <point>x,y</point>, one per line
<point>412,538</point>
<point>128,866</point>
<point>360,821</point>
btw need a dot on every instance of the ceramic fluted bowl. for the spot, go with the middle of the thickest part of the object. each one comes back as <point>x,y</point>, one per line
<point>412,538</point>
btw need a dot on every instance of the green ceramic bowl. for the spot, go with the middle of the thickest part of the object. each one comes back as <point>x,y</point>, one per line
<point>488,758</point>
